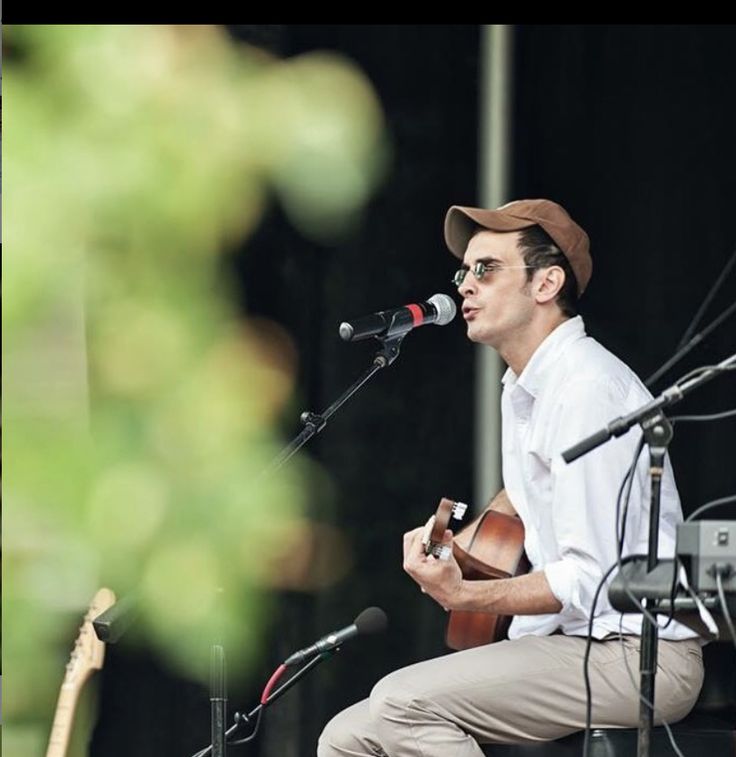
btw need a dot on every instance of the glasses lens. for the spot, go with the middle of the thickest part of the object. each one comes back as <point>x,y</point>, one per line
<point>479,270</point>
<point>459,276</point>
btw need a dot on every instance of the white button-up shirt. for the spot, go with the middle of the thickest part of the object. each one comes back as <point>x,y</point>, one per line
<point>571,387</point>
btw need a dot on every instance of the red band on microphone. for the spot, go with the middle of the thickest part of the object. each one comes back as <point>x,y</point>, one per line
<point>417,314</point>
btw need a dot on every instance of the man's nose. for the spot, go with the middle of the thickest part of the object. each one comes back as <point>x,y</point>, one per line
<point>469,285</point>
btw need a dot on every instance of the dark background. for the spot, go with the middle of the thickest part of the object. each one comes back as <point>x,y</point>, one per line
<point>631,128</point>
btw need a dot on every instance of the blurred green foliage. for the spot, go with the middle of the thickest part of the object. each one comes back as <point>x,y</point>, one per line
<point>139,406</point>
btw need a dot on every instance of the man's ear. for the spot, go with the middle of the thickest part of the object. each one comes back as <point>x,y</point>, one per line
<point>549,283</point>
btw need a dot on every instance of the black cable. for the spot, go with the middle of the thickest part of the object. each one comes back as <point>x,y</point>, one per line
<point>687,343</point>
<point>724,606</point>
<point>709,505</point>
<point>629,477</point>
<point>680,352</point>
<point>620,534</point>
<point>586,674</point>
<point>586,661</point>
<point>707,301</point>
<point>619,562</point>
<point>673,593</point>
<point>254,732</point>
<point>632,678</point>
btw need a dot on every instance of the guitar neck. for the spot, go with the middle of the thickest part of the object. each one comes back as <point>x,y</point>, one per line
<point>86,657</point>
<point>63,720</point>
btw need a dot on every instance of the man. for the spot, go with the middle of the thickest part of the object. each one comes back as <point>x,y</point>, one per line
<point>524,266</point>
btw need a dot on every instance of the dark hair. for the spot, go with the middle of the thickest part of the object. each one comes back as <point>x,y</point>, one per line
<point>540,251</point>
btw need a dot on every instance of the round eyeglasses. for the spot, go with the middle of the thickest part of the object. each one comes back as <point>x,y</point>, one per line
<point>480,270</point>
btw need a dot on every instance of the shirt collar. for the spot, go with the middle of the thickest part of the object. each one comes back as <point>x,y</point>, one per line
<point>547,352</point>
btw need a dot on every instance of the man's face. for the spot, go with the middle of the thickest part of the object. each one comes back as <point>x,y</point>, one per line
<point>498,307</point>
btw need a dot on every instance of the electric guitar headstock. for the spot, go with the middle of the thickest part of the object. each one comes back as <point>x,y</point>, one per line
<point>89,652</point>
<point>86,657</point>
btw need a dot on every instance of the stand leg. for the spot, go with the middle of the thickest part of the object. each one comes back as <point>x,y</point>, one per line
<point>647,669</point>
<point>218,700</point>
<point>657,434</point>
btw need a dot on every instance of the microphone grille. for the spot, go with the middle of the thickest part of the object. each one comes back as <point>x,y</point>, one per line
<point>371,620</point>
<point>446,308</point>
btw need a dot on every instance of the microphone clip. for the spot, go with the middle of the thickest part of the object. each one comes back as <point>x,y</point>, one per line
<point>297,658</point>
<point>315,420</point>
<point>389,351</point>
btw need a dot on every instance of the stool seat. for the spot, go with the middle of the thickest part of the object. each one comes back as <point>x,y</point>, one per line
<point>697,734</point>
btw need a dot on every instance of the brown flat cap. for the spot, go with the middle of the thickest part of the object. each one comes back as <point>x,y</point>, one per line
<point>461,224</point>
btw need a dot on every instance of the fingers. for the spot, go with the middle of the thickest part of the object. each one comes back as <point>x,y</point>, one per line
<point>410,536</point>
<point>412,543</point>
<point>427,532</point>
<point>418,536</point>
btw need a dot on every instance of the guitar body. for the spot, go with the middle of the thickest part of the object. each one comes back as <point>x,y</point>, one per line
<point>494,549</point>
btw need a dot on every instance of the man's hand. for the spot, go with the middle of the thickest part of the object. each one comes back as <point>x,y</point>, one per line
<point>441,579</point>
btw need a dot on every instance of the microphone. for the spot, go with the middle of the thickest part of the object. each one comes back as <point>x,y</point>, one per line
<point>439,309</point>
<point>371,620</point>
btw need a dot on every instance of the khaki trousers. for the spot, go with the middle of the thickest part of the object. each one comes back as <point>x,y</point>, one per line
<point>528,689</point>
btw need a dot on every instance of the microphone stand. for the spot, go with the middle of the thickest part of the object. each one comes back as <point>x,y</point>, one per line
<point>315,422</point>
<point>258,709</point>
<point>657,435</point>
<point>669,396</point>
<point>218,701</point>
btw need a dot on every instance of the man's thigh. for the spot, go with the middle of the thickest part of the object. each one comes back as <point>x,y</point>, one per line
<point>532,688</point>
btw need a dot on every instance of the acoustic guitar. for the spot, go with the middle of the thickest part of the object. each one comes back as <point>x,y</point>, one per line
<point>86,657</point>
<point>493,549</point>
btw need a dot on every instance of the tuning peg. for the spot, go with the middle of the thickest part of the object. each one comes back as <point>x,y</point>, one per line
<point>458,510</point>
<point>442,551</point>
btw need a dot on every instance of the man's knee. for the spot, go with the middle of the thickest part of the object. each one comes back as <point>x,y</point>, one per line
<point>395,709</point>
<point>336,736</point>
<point>389,698</point>
<point>347,733</point>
